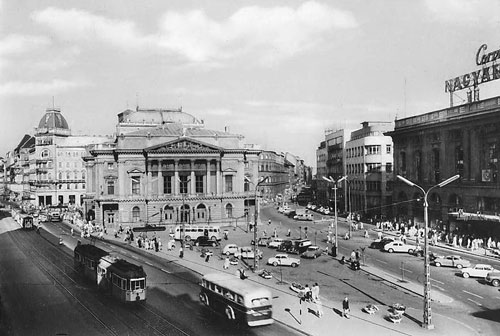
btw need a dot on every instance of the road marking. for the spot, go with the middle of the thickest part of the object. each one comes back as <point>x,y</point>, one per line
<point>381,261</point>
<point>472,294</point>
<point>475,302</point>
<point>135,257</point>
<point>150,264</point>
<point>406,270</point>
<point>441,288</point>
<point>442,283</point>
<point>164,270</point>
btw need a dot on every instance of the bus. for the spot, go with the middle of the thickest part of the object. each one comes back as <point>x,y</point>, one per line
<point>192,231</point>
<point>122,279</point>
<point>238,300</point>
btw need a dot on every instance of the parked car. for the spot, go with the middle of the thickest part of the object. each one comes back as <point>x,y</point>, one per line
<point>493,278</point>
<point>398,246</point>
<point>380,243</point>
<point>478,271</point>
<point>312,252</point>
<point>451,261</point>
<point>262,241</point>
<point>205,241</point>
<point>247,252</point>
<point>230,249</point>
<point>283,260</point>
<point>275,243</point>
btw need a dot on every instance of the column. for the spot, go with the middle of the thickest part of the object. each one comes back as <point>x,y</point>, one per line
<point>218,178</point>
<point>176,178</point>
<point>208,178</point>
<point>193,180</point>
<point>148,185</point>
<point>160,179</point>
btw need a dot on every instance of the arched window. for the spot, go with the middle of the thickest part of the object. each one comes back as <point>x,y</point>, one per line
<point>83,174</point>
<point>201,212</point>
<point>185,213</point>
<point>136,214</point>
<point>229,210</point>
<point>68,175</point>
<point>60,176</point>
<point>168,213</point>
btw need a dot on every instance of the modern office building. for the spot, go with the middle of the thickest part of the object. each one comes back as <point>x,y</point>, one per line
<point>369,169</point>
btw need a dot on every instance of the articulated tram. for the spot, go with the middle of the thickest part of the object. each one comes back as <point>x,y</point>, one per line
<point>122,279</point>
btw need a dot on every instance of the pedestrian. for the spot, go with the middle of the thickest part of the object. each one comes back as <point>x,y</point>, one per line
<point>366,234</point>
<point>315,291</point>
<point>181,252</point>
<point>307,293</point>
<point>288,233</point>
<point>269,222</point>
<point>358,254</point>
<point>353,255</point>
<point>379,235</point>
<point>226,263</point>
<point>72,232</point>
<point>345,307</point>
<point>207,257</point>
<point>275,233</point>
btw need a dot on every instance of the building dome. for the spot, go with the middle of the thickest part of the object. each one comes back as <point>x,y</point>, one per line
<point>53,122</point>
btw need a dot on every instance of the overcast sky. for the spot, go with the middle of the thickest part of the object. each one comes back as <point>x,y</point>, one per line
<point>277,72</point>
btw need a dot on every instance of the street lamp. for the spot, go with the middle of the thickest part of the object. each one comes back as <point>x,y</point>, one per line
<point>256,215</point>
<point>331,180</point>
<point>427,324</point>
<point>184,213</point>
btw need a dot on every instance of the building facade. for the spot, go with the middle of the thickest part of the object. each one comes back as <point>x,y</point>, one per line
<point>434,146</point>
<point>57,171</point>
<point>369,169</point>
<point>165,168</point>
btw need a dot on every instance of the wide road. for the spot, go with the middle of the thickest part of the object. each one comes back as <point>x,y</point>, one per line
<point>42,295</point>
<point>469,297</point>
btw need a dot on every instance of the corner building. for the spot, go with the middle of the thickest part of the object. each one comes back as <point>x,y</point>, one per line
<point>432,147</point>
<point>165,168</point>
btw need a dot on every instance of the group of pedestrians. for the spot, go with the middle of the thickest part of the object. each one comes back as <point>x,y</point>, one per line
<point>311,295</point>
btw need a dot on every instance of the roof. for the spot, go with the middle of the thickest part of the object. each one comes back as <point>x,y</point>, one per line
<point>90,251</point>
<point>235,284</point>
<point>127,270</point>
<point>176,129</point>
<point>53,119</point>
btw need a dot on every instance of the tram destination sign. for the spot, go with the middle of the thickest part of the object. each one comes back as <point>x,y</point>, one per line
<point>487,73</point>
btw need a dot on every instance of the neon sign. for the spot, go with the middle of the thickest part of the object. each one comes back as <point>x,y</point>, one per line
<point>474,78</point>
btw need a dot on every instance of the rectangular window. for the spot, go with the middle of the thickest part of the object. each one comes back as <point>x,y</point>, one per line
<point>388,167</point>
<point>110,165</point>
<point>167,184</point>
<point>111,187</point>
<point>136,185</point>
<point>229,183</point>
<point>372,150</point>
<point>199,184</point>
<point>388,149</point>
<point>184,180</point>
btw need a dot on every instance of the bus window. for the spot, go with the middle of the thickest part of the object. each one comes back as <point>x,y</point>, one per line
<point>239,299</point>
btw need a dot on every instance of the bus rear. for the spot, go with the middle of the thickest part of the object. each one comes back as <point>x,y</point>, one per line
<point>238,300</point>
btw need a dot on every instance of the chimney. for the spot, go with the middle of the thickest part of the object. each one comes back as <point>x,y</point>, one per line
<point>226,129</point>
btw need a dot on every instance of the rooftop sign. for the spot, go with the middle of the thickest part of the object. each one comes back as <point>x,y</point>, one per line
<point>483,75</point>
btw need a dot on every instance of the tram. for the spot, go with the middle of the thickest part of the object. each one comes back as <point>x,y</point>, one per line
<point>124,280</point>
<point>25,221</point>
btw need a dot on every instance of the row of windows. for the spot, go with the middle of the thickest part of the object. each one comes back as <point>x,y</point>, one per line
<point>72,153</point>
<point>359,168</point>
<point>168,212</point>
<point>184,182</point>
<point>223,291</point>
<point>367,150</point>
<point>67,164</point>
<point>72,186</point>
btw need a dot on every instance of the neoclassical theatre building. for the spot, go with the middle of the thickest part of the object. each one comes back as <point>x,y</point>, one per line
<point>166,168</point>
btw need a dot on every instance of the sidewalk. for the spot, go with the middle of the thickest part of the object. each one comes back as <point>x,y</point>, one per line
<point>288,310</point>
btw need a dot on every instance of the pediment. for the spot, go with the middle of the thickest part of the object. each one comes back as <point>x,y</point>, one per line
<point>184,145</point>
<point>229,170</point>
<point>135,171</point>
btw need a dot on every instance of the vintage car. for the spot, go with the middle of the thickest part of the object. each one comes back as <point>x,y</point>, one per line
<point>312,252</point>
<point>230,249</point>
<point>399,246</point>
<point>478,271</point>
<point>283,260</point>
<point>451,261</point>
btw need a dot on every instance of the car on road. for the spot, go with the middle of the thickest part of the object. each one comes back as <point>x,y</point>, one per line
<point>283,260</point>
<point>304,217</point>
<point>399,246</point>
<point>247,252</point>
<point>493,278</point>
<point>451,261</point>
<point>205,241</point>
<point>312,252</point>
<point>380,243</point>
<point>230,249</point>
<point>262,241</point>
<point>478,271</point>
<point>275,243</point>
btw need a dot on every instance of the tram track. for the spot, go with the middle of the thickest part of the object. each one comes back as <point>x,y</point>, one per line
<point>113,318</point>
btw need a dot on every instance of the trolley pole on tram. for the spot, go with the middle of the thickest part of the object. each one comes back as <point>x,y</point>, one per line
<point>256,216</point>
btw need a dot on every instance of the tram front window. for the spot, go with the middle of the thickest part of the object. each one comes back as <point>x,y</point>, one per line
<point>137,284</point>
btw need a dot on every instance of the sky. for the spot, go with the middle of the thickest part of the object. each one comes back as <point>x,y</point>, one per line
<point>278,72</point>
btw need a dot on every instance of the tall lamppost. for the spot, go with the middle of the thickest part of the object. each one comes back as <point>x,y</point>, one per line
<point>427,324</point>
<point>331,180</point>
<point>184,213</point>
<point>256,215</point>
